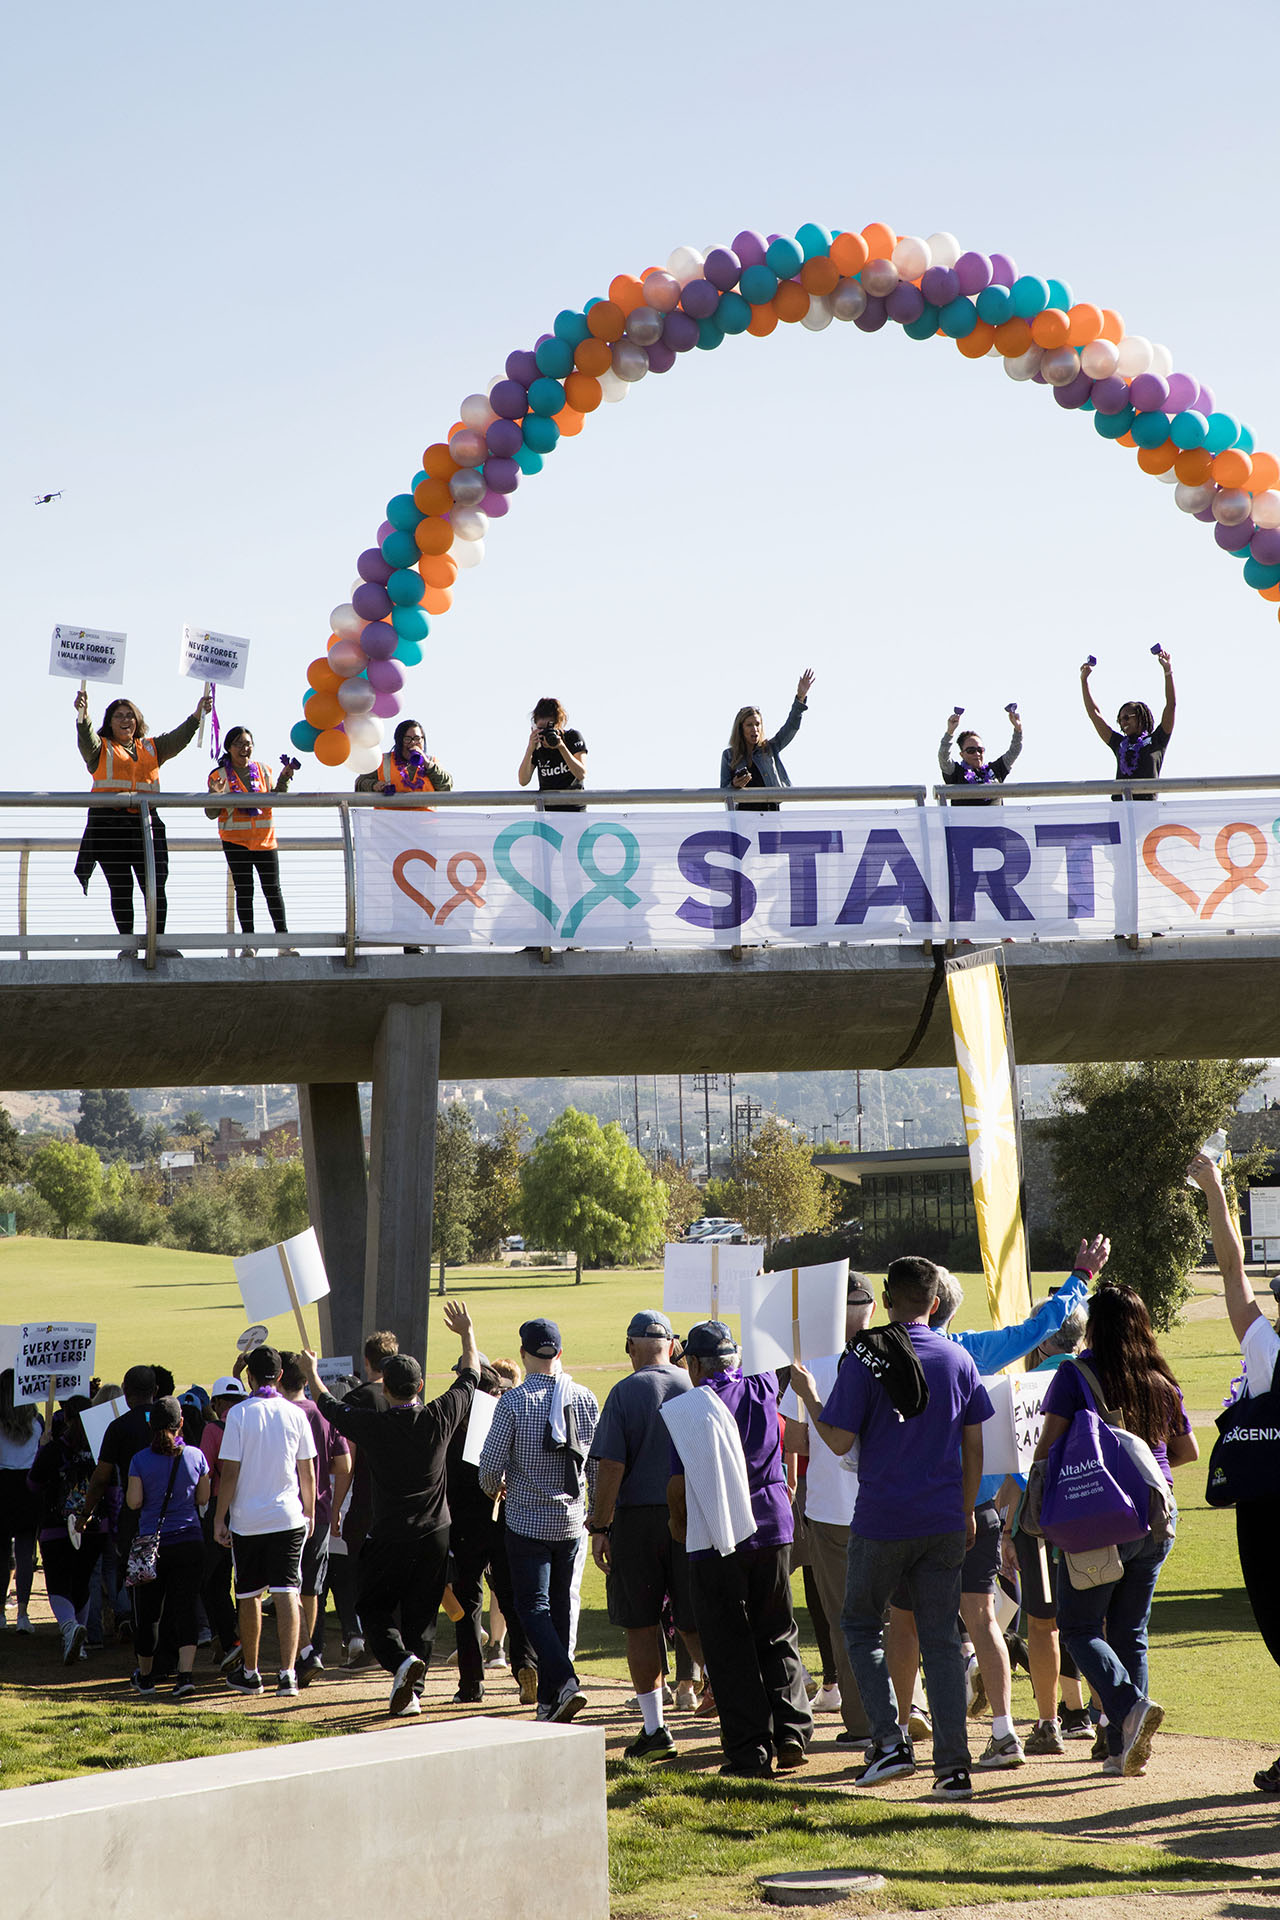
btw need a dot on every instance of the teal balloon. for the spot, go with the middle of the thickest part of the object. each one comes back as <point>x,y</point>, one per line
<point>958,318</point>
<point>410,623</point>
<point>528,461</point>
<point>541,433</point>
<point>710,335</point>
<point>733,315</point>
<point>1244,440</point>
<point>995,305</point>
<point>571,327</point>
<point>1112,425</point>
<point>546,396</point>
<point>816,241</point>
<point>758,285</point>
<point>1086,406</point>
<point>924,327</point>
<point>554,358</point>
<point>784,257</point>
<point>1150,429</point>
<point>400,550</point>
<point>1221,431</point>
<point>1059,295</point>
<point>408,653</point>
<point>402,512</point>
<point>1030,296</point>
<point>1257,575</point>
<point>1188,430</point>
<point>404,588</point>
<point>304,736</point>
<point>418,479</point>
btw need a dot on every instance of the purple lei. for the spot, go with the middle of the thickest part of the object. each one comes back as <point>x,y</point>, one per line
<point>982,777</point>
<point>1128,754</point>
<point>237,785</point>
<point>412,771</point>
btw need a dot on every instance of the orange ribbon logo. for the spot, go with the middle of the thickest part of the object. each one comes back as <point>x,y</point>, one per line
<point>1236,875</point>
<point>462,890</point>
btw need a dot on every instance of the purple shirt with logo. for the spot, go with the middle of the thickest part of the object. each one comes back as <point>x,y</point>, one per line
<point>752,1399</point>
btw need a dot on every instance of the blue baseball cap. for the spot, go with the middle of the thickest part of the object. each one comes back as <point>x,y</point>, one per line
<point>541,1338</point>
<point>648,1324</point>
<point>711,1340</point>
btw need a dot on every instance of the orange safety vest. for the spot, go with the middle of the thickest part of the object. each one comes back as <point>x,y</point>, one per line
<point>389,775</point>
<point>119,771</point>
<point>240,826</point>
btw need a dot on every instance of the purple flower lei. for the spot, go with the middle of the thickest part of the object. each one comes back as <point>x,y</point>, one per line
<point>1128,753</point>
<point>412,771</point>
<point>981,777</point>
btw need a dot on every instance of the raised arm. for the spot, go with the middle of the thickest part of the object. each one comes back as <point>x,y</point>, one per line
<point>839,1439</point>
<point>1228,1248</point>
<point>88,740</point>
<point>169,744</point>
<point>524,772</point>
<point>1170,697</point>
<point>1092,708</point>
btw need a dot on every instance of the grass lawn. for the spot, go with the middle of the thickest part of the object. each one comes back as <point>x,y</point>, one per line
<point>44,1738</point>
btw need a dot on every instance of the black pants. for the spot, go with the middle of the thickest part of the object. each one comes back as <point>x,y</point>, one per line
<point>68,1570</point>
<point>742,1604</point>
<point>215,1591</point>
<point>405,1577</point>
<point>118,845</point>
<point>821,1630</point>
<point>478,1544</point>
<point>1258,1541</point>
<point>179,1571</point>
<point>244,862</point>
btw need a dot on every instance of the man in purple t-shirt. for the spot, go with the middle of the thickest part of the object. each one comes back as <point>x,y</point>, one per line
<point>917,1481</point>
<point>742,1599</point>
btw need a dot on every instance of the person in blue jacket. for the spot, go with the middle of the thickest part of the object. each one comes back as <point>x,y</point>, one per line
<point>751,760</point>
<point>989,1351</point>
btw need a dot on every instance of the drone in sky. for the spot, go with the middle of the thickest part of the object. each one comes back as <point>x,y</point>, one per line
<point>43,499</point>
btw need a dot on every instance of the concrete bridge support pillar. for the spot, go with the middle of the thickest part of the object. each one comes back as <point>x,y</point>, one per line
<point>337,1191</point>
<point>397,1277</point>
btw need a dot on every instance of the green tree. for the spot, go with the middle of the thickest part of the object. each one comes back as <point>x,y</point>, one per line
<point>128,1212</point>
<point>10,1147</point>
<point>783,1193</point>
<point>207,1220</point>
<point>67,1175</point>
<point>684,1196</point>
<point>585,1188</point>
<point>496,1205</point>
<point>1123,1133</point>
<point>290,1211</point>
<point>453,1198</point>
<point>156,1140</point>
<point>109,1122</point>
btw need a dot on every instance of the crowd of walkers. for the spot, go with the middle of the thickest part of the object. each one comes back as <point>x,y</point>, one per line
<point>124,758</point>
<point>697,1497</point>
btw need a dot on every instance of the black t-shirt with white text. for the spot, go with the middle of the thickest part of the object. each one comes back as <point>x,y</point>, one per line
<point>551,769</point>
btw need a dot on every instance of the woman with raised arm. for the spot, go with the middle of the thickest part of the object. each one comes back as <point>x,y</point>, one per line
<point>124,758</point>
<point>753,760</point>
<point>1139,746</point>
<point>248,833</point>
<point>973,773</point>
<point>408,768</point>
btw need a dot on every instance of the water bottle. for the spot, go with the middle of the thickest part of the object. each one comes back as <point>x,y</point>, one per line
<point>1213,1149</point>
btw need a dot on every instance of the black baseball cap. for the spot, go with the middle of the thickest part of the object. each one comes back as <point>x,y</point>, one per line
<point>859,1294</point>
<point>541,1338</point>
<point>711,1340</point>
<point>401,1375</point>
<point>264,1363</point>
<point>649,1324</point>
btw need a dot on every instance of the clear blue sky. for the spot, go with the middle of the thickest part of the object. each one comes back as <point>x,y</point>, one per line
<point>257,255</point>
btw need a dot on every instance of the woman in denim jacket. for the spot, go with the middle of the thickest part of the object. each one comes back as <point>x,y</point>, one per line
<point>750,760</point>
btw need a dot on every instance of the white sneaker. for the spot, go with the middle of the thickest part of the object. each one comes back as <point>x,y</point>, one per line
<point>571,1700</point>
<point>827,1699</point>
<point>73,1639</point>
<point>1139,1726</point>
<point>23,1623</point>
<point>411,1706</point>
<point>405,1685</point>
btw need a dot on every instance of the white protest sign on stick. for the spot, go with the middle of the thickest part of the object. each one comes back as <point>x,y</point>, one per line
<point>219,658</point>
<point>87,653</point>
<point>282,1279</point>
<point>54,1361</point>
<point>793,1313</point>
<point>96,1420</point>
<point>333,1370</point>
<point>706,1280</point>
<point>1011,1436</point>
<point>479,1421</point>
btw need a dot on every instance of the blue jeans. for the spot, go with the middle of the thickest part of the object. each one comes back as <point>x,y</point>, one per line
<point>541,1581</point>
<point>930,1568</point>
<point>1104,1629</point>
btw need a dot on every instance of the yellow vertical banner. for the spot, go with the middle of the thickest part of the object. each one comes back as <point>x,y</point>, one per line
<point>988,1096</point>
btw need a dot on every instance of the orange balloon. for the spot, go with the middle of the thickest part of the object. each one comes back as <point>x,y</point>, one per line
<point>1086,325</point>
<point>438,569</point>
<point>1052,328</point>
<point>582,392</point>
<point>1194,466</point>
<point>439,462</point>
<point>1013,337</point>
<point>332,748</point>
<point>433,535</point>
<point>437,599</point>
<point>1112,326</point>
<point>1126,440</point>
<point>323,710</point>
<point>457,427</point>
<point>626,292</point>
<point>1157,459</point>
<point>763,320</point>
<point>322,677</point>
<point>1270,593</point>
<point>881,241</point>
<point>569,421</point>
<point>605,322</point>
<point>1232,468</point>
<point>980,341</point>
<point>593,357</point>
<point>432,496</point>
<point>850,253</point>
<point>1266,473</point>
<point>820,276</point>
<point>790,302</point>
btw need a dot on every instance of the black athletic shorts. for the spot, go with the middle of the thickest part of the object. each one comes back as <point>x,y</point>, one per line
<point>267,1561</point>
<point>646,1564</point>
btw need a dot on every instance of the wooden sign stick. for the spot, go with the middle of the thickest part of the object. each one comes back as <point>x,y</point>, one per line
<point>48,1405</point>
<point>208,689</point>
<point>795,1328</point>
<point>293,1295</point>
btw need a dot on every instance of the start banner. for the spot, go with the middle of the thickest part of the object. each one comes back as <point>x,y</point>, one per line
<point>1087,870</point>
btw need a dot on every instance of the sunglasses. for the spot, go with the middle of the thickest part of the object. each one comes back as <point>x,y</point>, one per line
<point>971,749</point>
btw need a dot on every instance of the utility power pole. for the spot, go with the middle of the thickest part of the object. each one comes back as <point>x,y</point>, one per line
<point>706,1084</point>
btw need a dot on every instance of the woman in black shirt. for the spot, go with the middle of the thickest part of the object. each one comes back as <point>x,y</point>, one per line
<point>1139,746</point>
<point>556,752</point>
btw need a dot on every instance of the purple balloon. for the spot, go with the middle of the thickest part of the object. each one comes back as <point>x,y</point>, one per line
<point>541,341</point>
<point>722,268</point>
<point>750,246</point>
<point>905,303</point>
<point>495,505</point>
<point>873,315</point>
<point>1182,393</point>
<point>379,640</point>
<point>522,366</point>
<point>501,476</point>
<point>371,602</point>
<point>1148,393</point>
<point>384,676</point>
<point>1076,391</point>
<point>700,299</point>
<point>1111,394</point>
<point>940,285</point>
<point>504,439</point>
<point>771,237</point>
<point>680,331</point>
<point>372,566</point>
<point>973,271</point>
<point>384,530</point>
<point>1232,539</point>
<point>1003,270</point>
<point>1265,546</point>
<point>509,399</point>
<point>1205,402</point>
<point>386,706</point>
<point>660,357</point>
<point>1038,380</point>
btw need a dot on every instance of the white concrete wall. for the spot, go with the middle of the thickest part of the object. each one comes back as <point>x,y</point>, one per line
<point>484,1818</point>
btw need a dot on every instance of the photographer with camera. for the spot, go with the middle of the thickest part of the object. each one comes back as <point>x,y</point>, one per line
<point>558,753</point>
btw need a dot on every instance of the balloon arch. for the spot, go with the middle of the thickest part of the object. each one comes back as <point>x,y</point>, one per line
<point>930,288</point>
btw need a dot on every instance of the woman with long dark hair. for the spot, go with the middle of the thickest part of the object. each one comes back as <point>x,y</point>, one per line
<point>20,1432</point>
<point>247,832</point>
<point>167,1482</point>
<point>1104,1628</point>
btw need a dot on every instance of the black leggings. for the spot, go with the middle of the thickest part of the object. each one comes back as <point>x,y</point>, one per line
<point>1258,1541</point>
<point>179,1571</point>
<point>118,845</point>
<point>243,861</point>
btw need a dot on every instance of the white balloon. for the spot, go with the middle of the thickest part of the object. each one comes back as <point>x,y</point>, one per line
<point>1193,499</point>
<point>346,623</point>
<point>467,524</point>
<point>492,381</point>
<point>1231,505</point>
<point>356,696</point>
<point>685,264</point>
<point>1099,359</point>
<point>912,257</point>
<point>1134,357</point>
<point>644,326</point>
<point>1161,360</point>
<point>611,388</point>
<point>468,553</point>
<point>1024,366</point>
<point>356,585</point>
<point>361,759</point>
<point>467,487</point>
<point>1060,366</point>
<point>630,362</point>
<point>848,301</point>
<point>662,292</point>
<point>819,314</point>
<point>468,448</point>
<point>475,411</point>
<point>880,277</point>
<point>1266,509</point>
<point>944,248</point>
<point>363,730</point>
<point>1169,478</point>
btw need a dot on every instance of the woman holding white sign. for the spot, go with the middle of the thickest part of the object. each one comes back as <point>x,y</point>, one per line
<point>248,833</point>
<point>124,758</point>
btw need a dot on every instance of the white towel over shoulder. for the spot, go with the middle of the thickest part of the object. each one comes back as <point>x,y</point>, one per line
<point>717,1494</point>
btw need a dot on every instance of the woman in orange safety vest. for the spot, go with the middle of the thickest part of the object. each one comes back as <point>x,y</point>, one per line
<point>248,833</point>
<point>124,758</point>
<point>408,768</point>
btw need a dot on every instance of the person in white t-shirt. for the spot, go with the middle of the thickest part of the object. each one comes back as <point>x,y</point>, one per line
<point>1257,1521</point>
<point>266,1509</point>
